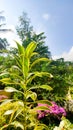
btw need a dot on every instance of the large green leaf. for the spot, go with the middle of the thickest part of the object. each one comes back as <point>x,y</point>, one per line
<point>8,112</point>
<point>30,48</point>
<point>6,80</point>
<point>44,102</point>
<point>34,53</point>
<point>6,101</point>
<point>26,67</point>
<point>31,95</point>
<point>41,127</point>
<point>21,103</point>
<point>16,68</point>
<point>38,74</point>
<point>17,124</point>
<point>46,87</point>
<point>18,61</point>
<point>4,73</point>
<point>18,112</point>
<point>21,49</point>
<point>10,89</point>
<point>4,127</point>
<point>42,108</point>
<point>39,60</point>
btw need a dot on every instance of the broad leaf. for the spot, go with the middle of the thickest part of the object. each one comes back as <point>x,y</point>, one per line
<point>34,53</point>
<point>18,112</point>
<point>17,124</point>
<point>10,89</point>
<point>31,95</point>
<point>30,48</point>
<point>39,60</point>
<point>41,127</point>
<point>42,108</point>
<point>4,73</point>
<point>5,80</point>
<point>38,74</point>
<point>47,87</point>
<point>44,102</point>
<point>16,67</point>
<point>8,112</point>
<point>26,67</point>
<point>6,101</point>
<point>21,49</point>
<point>21,103</point>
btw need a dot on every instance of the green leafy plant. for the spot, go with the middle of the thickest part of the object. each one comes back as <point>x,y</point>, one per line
<point>65,124</point>
<point>23,113</point>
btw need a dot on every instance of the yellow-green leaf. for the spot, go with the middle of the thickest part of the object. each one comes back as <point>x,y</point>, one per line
<point>10,89</point>
<point>17,124</point>
<point>39,60</point>
<point>47,87</point>
<point>30,48</point>
<point>8,112</point>
<point>31,95</point>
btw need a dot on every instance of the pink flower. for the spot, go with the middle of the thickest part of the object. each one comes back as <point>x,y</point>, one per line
<point>41,115</point>
<point>54,109</point>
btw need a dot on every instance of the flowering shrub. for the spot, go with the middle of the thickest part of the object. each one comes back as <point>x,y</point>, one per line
<point>54,109</point>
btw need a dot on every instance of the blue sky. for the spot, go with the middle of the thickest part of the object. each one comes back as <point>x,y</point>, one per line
<point>54,17</point>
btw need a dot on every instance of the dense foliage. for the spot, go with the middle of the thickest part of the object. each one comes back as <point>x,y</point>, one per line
<point>23,113</point>
<point>36,93</point>
<point>19,76</point>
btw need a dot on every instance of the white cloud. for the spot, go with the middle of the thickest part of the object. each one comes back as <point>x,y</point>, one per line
<point>68,56</point>
<point>46,16</point>
<point>10,36</point>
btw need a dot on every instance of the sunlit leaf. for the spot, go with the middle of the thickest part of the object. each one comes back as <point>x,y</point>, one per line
<point>47,87</point>
<point>17,124</point>
<point>10,89</point>
<point>34,53</point>
<point>21,49</point>
<point>6,101</point>
<point>4,73</point>
<point>5,80</point>
<point>39,60</point>
<point>8,112</point>
<point>38,74</point>
<point>44,102</point>
<point>31,95</point>
<point>16,67</point>
<point>21,103</point>
<point>30,48</point>
<point>26,67</point>
<point>42,108</point>
<point>18,112</point>
<point>41,127</point>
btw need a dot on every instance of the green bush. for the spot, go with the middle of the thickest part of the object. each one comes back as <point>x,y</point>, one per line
<point>22,113</point>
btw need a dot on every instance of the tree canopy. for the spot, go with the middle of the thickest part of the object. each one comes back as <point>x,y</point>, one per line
<point>26,33</point>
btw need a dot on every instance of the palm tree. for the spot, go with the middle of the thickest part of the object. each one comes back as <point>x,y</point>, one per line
<point>2,18</point>
<point>3,42</point>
